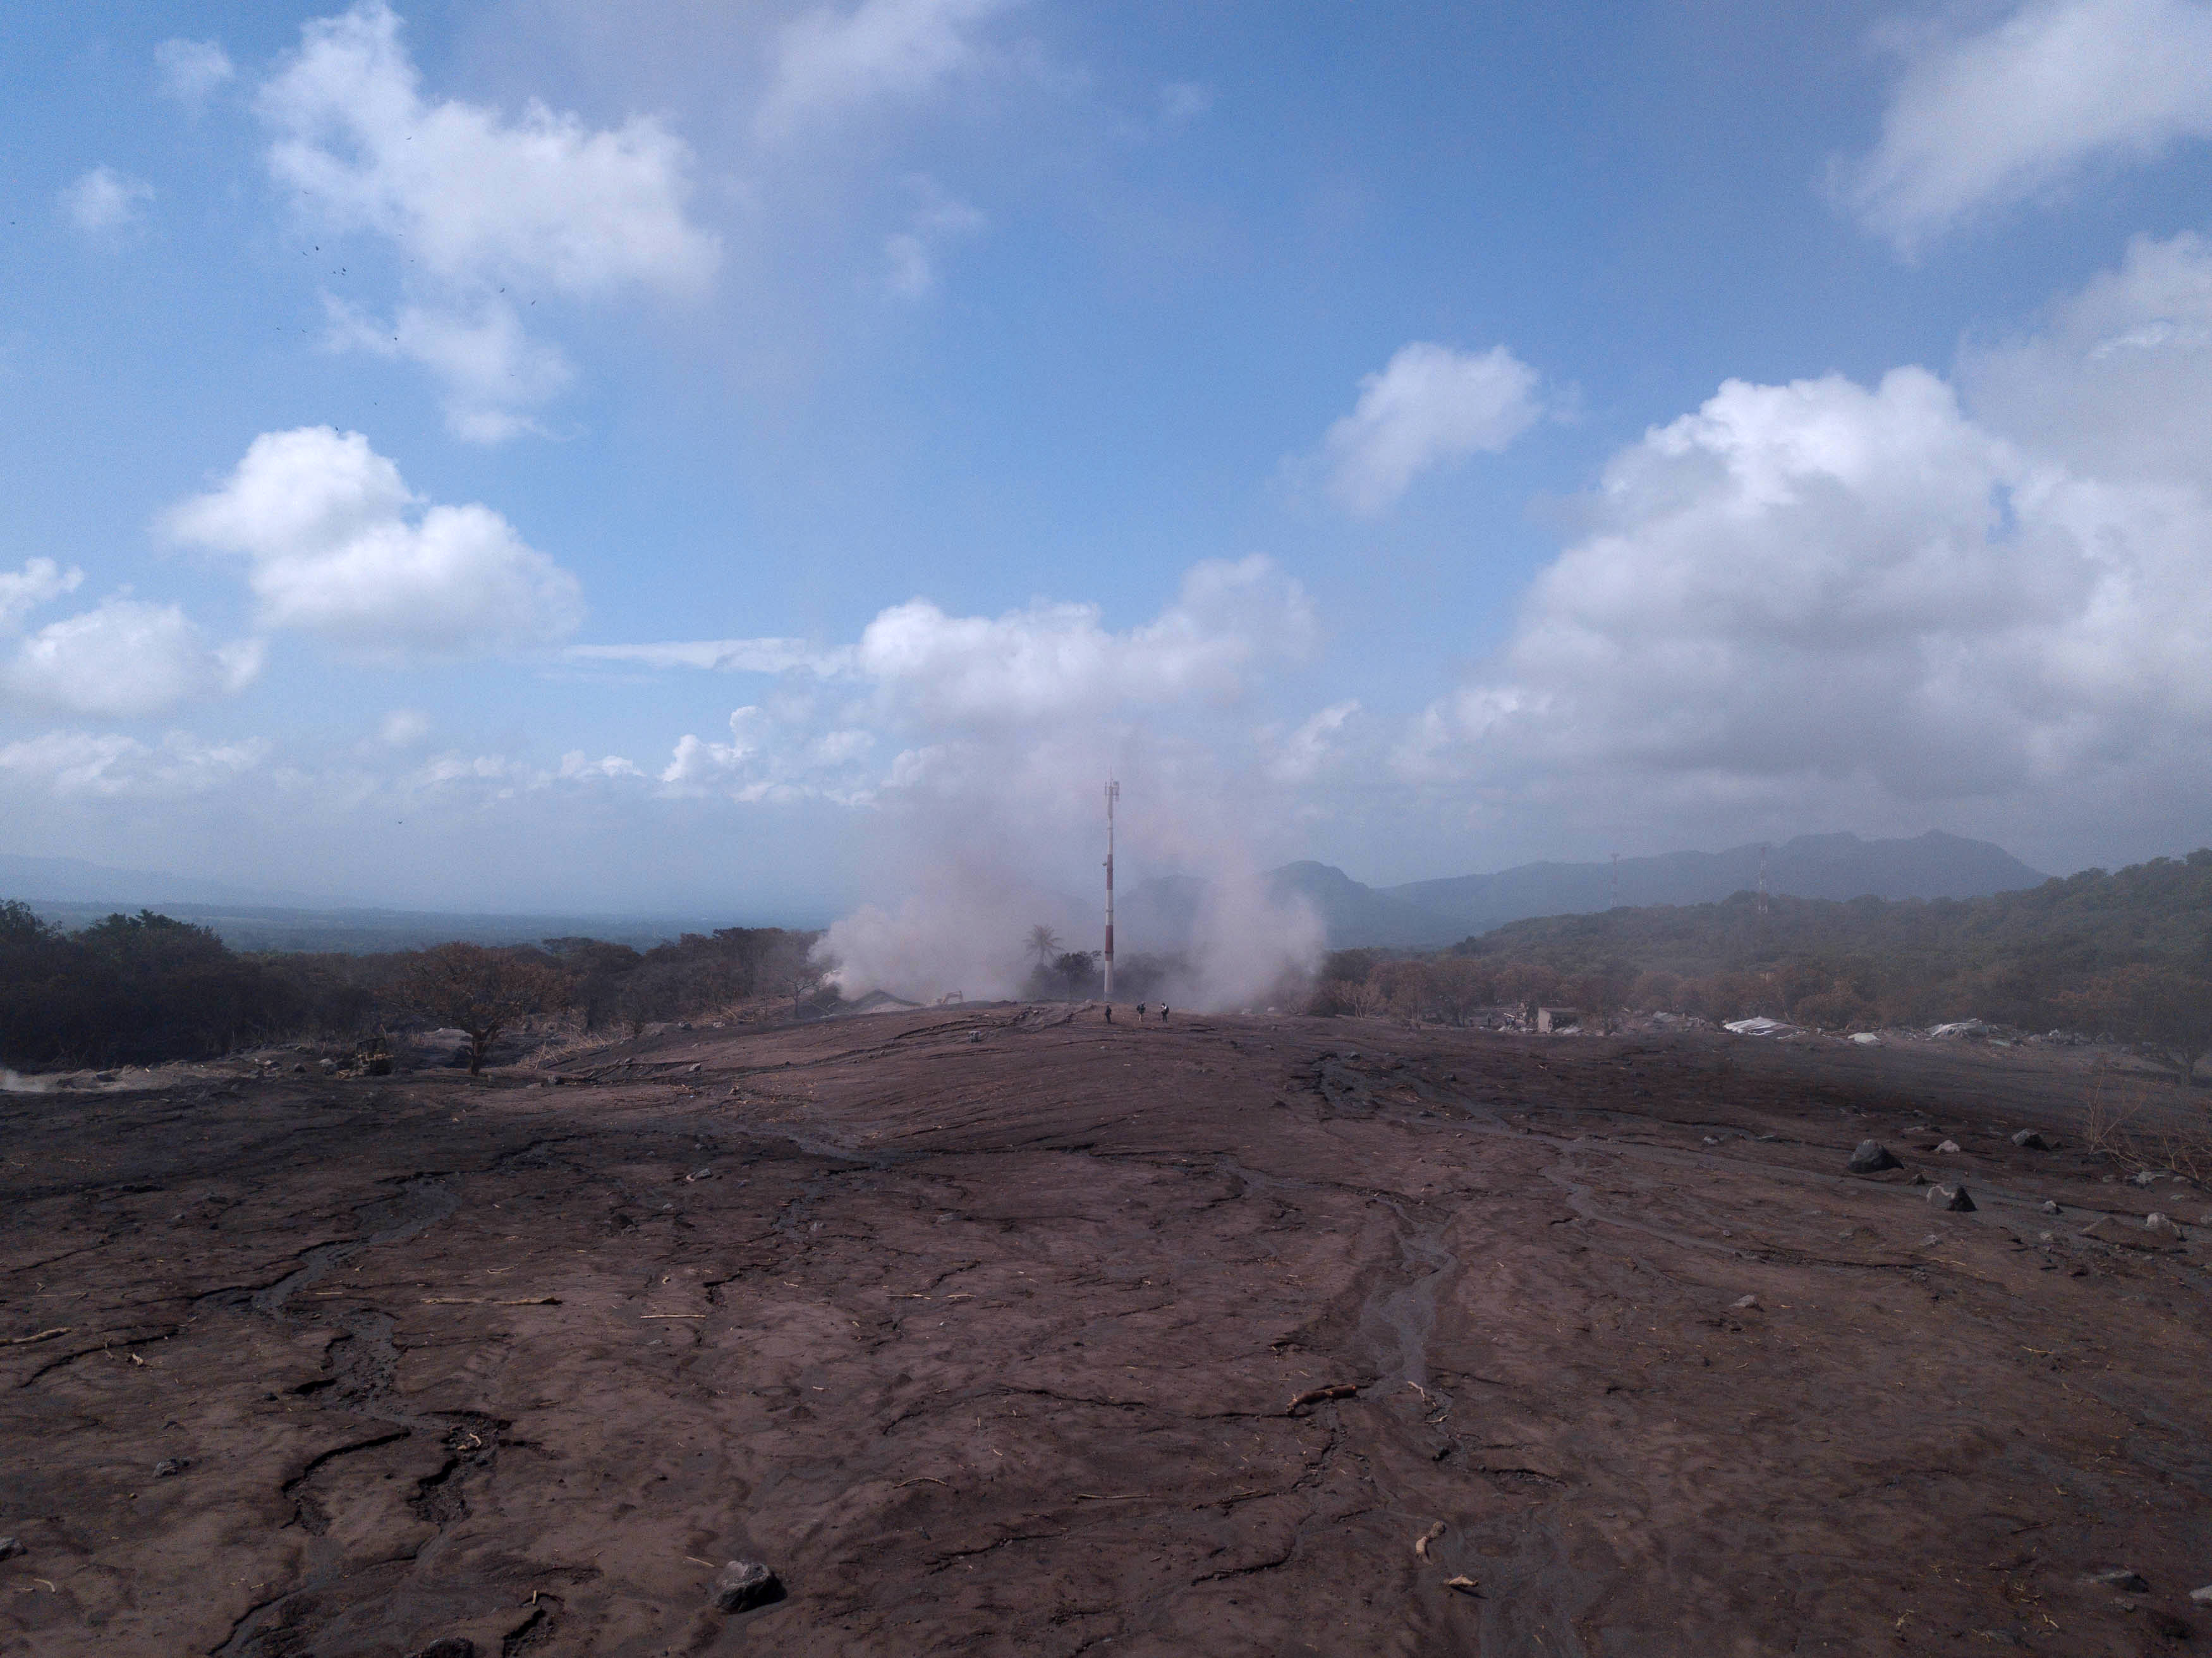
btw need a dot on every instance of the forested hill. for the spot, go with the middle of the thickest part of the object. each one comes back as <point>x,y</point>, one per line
<point>2068,927</point>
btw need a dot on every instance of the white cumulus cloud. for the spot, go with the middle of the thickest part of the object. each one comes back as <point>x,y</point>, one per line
<point>829,60</point>
<point>1429,406</point>
<point>1829,590</point>
<point>190,70</point>
<point>2016,110</point>
<point>337,546</point>
<point>910,255</point>
<point>103,201</point>
<point>106,765</point>
<point>124,660</point>
<point>1052,660</point>
<point>38,582</point>
<point>2119,383</point>
<point>492,372</point>
<point>1301,755</point>
<point>477,202</point>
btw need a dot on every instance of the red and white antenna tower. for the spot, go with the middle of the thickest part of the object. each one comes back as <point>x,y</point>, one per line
<point>1113,794</point>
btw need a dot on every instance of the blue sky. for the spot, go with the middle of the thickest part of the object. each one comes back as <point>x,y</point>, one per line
<point>542,455</point>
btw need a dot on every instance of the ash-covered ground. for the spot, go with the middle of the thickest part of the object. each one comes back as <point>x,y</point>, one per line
<point>1004,1330</point>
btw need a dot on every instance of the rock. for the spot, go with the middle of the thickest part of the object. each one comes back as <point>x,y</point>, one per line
<point>2114,1229</point>
<point>2049,1206</point>
<point>1948,1146</point>
<point>1744,1303</point>
<point>2121,1577</point>
<point>453,1646</point>
<point>2163,1226</point>
<point>1954,1198</point>
<point>170,1466</point>
<point>1866,1039</point>
<point>2201,1597</point>
<point>2030,1139</point>
<point>1872,1157</point>
<point>743,1584</point>
<point>12,1546</point>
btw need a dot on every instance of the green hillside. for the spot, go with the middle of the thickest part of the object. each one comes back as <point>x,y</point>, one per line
<point>2127,955</point>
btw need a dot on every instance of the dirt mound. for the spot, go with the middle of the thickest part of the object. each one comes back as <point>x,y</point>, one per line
<point>1005,1330</point>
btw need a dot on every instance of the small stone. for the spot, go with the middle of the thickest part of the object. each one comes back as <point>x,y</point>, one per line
<point>2201,1597</point>
<point>453,1646</point>
<point>700,1174</point>
<point>1744,1304</point>
<point>12,1546</point>
<point>169,1466</point>
<point>743,1584</point>
<point>2161,1225</point>
<point>1871,1159</point>
<point>1948,1146</point>
<point>2029,1139</point>
<point>2049,1206</point>
<point>2143,1177</point>
<point>1954,1198</point>
<point>2121,1577</point>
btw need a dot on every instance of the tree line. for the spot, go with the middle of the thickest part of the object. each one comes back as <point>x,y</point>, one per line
<point>144,988</point>
<point>2125,955</point>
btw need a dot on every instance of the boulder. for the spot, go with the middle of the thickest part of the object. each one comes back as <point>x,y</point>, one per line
<point>2121,1577</point>
<point>743,1584</point>
<point>2031,1139</point>
<point>1949,1147</point>
<point>1954,1198</point>
<point>1871,1159</point>
<point>2117,1229</point>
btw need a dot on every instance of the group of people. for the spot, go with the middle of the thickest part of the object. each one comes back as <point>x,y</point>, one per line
<point>1141,1007</point>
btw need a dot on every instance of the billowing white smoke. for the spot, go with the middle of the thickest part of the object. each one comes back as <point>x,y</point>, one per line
<point>993,820</point>
<point>1243,947</point>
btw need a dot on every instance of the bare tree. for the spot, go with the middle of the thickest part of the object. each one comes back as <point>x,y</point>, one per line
<point>480,991</point>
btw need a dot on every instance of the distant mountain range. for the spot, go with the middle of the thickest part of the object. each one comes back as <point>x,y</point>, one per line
<point>72,893</point>
<point>1154,914</point>
<point>1159,915</point>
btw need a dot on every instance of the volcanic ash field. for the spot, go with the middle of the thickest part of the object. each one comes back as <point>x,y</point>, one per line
<point>1014,1332</point>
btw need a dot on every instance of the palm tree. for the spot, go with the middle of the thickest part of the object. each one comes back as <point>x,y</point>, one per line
<point>1043,942</point>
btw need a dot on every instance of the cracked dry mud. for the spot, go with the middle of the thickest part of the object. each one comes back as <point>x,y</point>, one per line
<point>990,1346</point>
